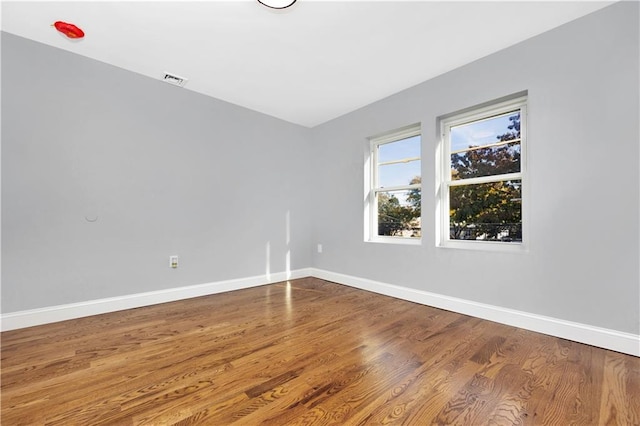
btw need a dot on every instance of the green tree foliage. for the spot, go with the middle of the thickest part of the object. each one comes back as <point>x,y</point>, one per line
<point>488,210</point>
<point>390,214</point>
<point>415,196</point>
<point>394,218</point>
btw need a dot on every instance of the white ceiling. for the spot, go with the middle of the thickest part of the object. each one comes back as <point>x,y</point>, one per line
<point>308,64</point>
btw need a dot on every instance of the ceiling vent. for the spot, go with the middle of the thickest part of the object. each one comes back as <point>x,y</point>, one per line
<point>174,79</point>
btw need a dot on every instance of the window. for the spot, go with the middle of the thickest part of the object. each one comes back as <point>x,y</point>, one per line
<point>482,176</point>
<point>395,187</point>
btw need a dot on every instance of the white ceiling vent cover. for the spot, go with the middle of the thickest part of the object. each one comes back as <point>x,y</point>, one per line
<point>174,79</point>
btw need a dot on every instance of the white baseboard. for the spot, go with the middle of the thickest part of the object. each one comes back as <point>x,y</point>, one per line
<point>604,338</point>
<point>32,317</point>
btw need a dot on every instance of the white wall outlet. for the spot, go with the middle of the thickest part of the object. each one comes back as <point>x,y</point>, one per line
<point>319,248</point>
<point>173,261</point>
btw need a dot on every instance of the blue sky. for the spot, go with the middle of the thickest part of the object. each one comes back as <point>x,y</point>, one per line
<point>477,134</point>
<point>401,173</point>
<point>480,132</point>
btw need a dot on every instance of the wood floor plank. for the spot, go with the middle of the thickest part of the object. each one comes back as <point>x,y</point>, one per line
<point>307,352</point>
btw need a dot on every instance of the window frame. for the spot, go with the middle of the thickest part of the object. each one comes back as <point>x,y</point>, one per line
<point>371,209</point>
<point>445,181</point>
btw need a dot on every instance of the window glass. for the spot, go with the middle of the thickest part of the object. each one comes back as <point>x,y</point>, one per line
<point>399,150</point>
<point>399,213</point>
<point>483,173</point>
<point>486,147</point>
<point>398,174</point>
<point>395,194</point>
<point>486,131</point>
<point>486,211</point>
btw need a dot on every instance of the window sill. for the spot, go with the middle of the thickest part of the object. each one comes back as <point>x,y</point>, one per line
<point>495,246</point>
<point>396,240</point>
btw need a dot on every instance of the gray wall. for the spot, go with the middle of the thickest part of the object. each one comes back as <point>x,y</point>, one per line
<point>165,170</point>
<point>582,265</point>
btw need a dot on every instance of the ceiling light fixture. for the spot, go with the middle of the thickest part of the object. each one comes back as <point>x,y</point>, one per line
<point>277,4</point>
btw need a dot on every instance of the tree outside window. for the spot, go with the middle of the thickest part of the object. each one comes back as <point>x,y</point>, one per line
<point>396,182</point>
<point>483,185</point>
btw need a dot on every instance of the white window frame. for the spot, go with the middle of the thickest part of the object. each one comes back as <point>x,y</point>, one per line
<point>371,177</point>
<point>445,182</point>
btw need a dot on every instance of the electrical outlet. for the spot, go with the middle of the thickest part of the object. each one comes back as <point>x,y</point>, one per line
<point>319,248</point>
<point>173,261</point>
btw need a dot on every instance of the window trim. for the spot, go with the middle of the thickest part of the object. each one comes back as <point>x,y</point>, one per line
<point>445,182</point>
<point>371,179</point>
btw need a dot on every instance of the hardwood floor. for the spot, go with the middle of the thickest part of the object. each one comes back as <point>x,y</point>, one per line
<point>307,352</point>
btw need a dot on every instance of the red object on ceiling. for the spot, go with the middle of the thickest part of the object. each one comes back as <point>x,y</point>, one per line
<point>69,30</point>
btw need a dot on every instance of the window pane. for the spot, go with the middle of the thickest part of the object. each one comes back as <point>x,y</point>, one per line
<point>502,127</point>
<point>487,211</point>
<point>399,213</point>
<point>488,161</point>
<point>399,174</point>
<point>399,150</point>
